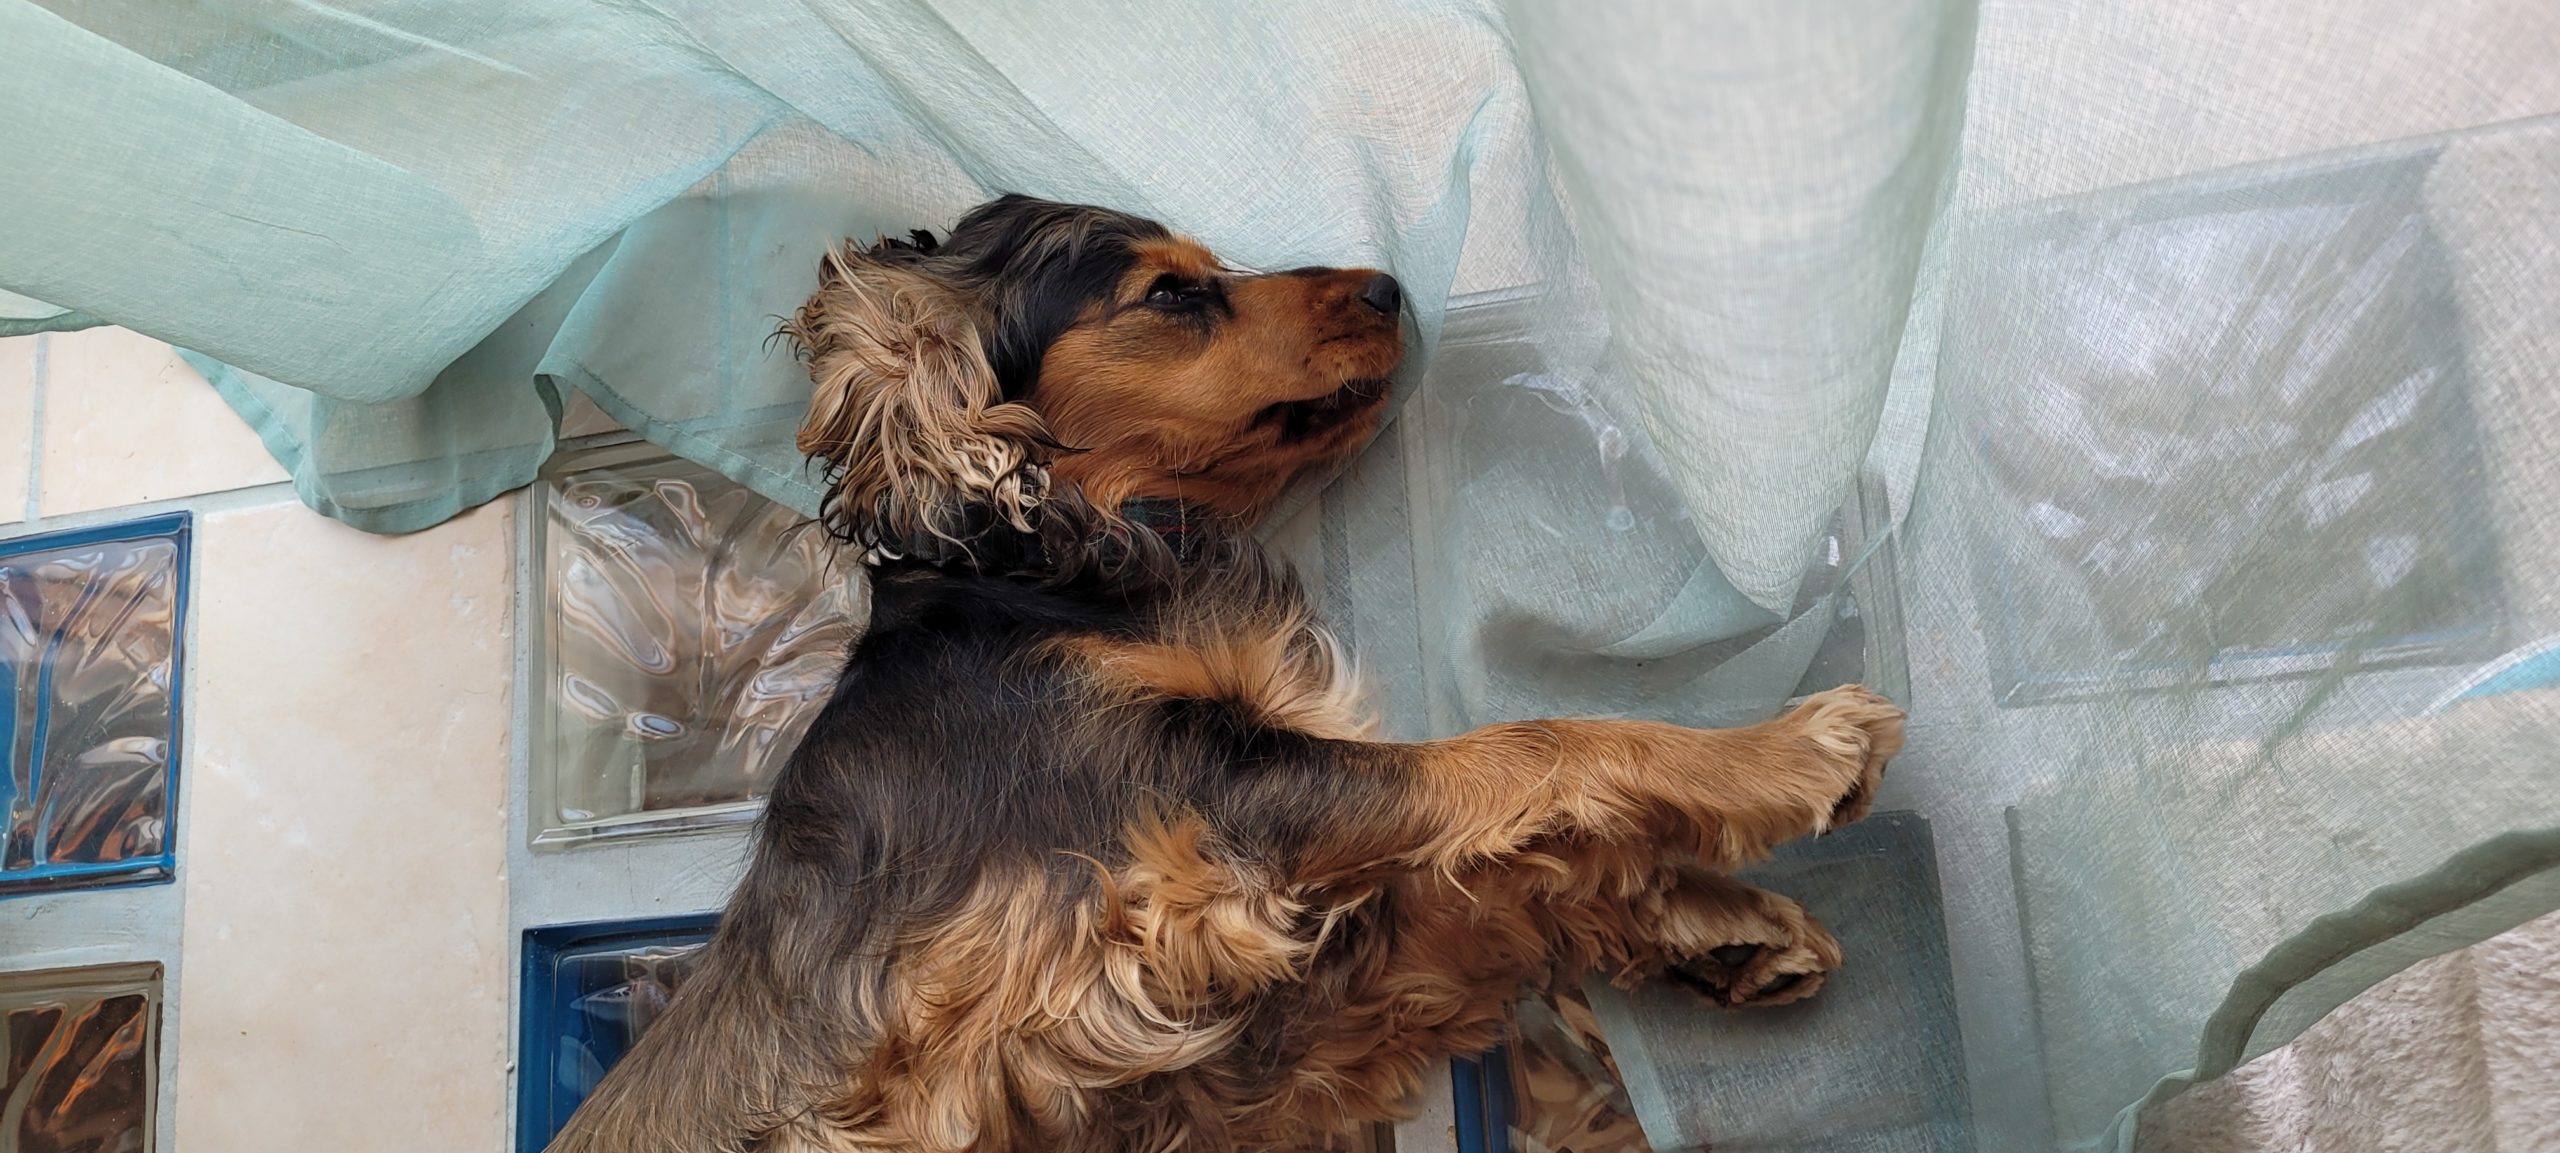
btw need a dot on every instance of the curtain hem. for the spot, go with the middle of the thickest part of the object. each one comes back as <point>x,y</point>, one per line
<point>393,519</point>
<point>65,321</point>
<point>2466,880</point>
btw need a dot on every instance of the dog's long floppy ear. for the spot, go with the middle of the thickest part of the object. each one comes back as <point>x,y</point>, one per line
<point>914,429</point>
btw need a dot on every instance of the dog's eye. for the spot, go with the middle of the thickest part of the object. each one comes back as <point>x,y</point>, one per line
<point>1171,291</point>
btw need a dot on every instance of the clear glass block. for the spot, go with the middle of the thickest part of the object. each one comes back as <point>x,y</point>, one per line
<point>1509,625</point>
<point>2235,423</point>
<point>79,1059</point>
<point>690,631</point>
<point>1872,1062</point>
<point>89,653</point>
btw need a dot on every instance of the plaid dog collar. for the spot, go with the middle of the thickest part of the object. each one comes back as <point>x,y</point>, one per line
<point>1165,517</point>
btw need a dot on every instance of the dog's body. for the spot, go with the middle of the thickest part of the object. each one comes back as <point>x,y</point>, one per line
<point>1091,849</point>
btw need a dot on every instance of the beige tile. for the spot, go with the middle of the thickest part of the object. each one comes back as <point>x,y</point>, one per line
<point>2519,1015</point>
<point>345,954</point>
<point>581,417</point>
<point>17,423</point>
<point>2453,1052</point>
<point>126,421</point>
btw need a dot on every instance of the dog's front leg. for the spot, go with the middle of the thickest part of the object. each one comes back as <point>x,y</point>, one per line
<point>1728,795</point>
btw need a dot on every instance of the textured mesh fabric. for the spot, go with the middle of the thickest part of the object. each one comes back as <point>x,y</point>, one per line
<point>2168,387</point>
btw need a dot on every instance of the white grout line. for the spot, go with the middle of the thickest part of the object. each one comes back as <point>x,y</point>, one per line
<point>201,504</point>
<point>523,505</point>
<point>35,428</point>
<point>189,766</point>
<point>224,500</point>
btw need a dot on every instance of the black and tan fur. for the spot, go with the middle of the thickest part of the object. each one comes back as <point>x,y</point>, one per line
<point>1093,849</point>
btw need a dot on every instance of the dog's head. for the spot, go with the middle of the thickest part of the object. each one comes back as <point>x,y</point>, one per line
<point>1045,344</point>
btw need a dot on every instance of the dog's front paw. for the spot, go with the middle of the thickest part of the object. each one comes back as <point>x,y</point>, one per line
<point>1785,955</point>
<point>1851,732</point>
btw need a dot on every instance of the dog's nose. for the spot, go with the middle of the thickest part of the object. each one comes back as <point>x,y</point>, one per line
<point>1383,293</point>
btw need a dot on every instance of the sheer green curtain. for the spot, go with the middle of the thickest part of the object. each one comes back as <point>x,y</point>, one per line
<point>2165,387</point>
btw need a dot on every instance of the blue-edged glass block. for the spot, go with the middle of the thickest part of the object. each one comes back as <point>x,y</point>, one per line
<point>1566,1090</point>
<point>1552,1088</point>
<point>79,1059</point>
<point>90,647</point>
<point>590,991</point>
<point>1482,1123</point>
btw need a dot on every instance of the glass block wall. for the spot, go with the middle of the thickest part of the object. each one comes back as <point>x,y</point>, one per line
<point>689,631</point>
<point>79,1052</point>
<point>89,653</point>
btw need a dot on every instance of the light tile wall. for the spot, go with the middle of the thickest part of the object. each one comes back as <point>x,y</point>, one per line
<point>125,422</point>
<point>17,423</point>
<point>344,964</point>
<point>345,875</point>
<point>580,417</point>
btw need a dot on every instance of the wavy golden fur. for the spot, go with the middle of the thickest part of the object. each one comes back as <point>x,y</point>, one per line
<point>1093,849</point>
<point>906,406</point>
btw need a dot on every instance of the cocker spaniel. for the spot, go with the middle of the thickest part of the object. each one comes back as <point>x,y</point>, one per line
<point>1093,848</point>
